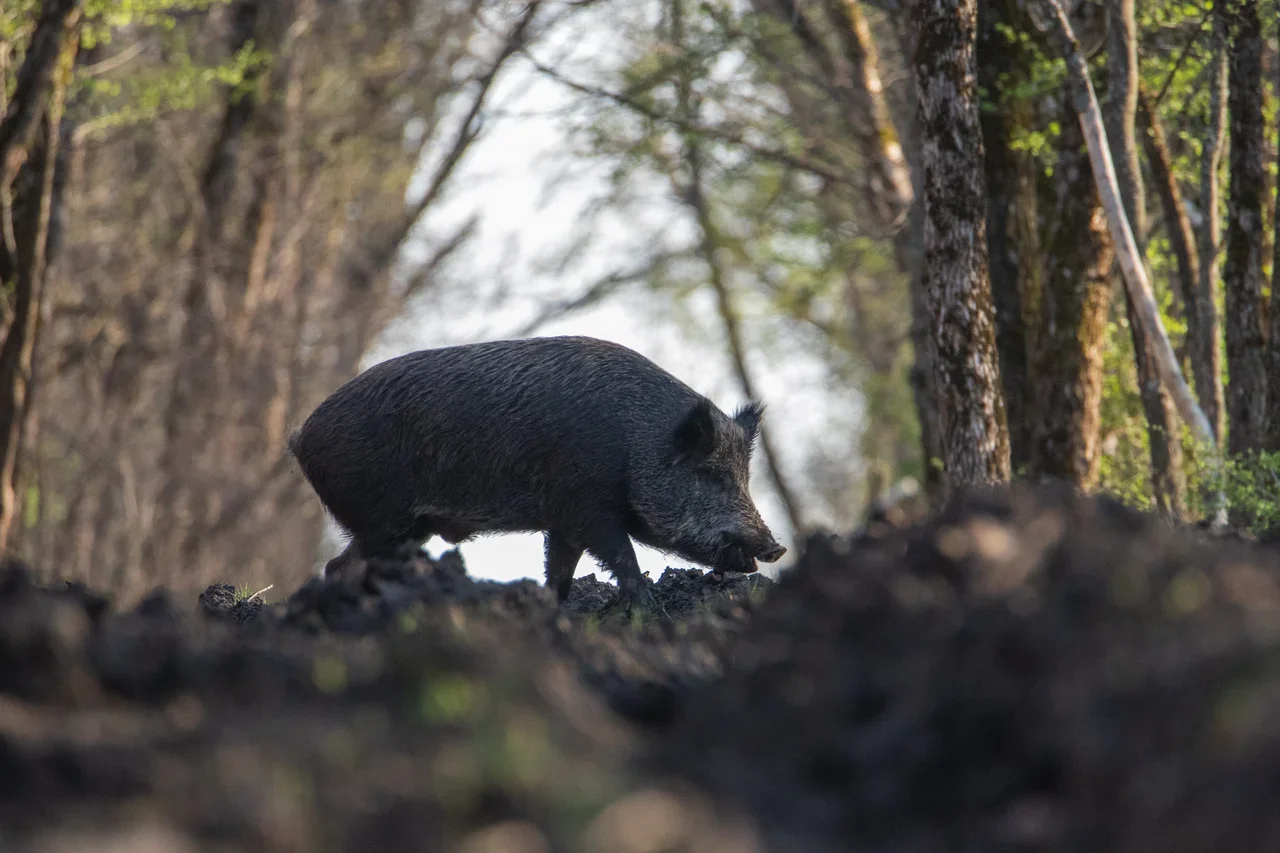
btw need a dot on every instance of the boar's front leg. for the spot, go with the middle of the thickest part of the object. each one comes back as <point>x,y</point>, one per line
<point>614,551</point>
<point>562,562</point>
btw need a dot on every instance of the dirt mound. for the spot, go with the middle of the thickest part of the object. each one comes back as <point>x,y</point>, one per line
<point>1027,672</point>
<point>412,709</point>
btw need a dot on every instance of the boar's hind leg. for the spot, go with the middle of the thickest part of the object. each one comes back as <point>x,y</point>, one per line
<point>562,561</point>
<point>388,541</point>
<point>615,553</point>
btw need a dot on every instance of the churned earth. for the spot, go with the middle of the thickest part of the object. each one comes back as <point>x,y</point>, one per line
<point>1025,671</point>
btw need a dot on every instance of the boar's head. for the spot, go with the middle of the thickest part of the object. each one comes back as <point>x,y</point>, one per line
<point>698,505</point>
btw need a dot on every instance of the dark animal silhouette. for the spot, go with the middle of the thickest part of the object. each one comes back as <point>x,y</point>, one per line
<point>584,440</point>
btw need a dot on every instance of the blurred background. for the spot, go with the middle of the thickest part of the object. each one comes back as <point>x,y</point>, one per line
<point>217,211</point>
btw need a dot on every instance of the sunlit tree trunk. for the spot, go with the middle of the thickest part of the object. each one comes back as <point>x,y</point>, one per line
<point>1120,111</point>
<point>966,370</point>
<point>1212,394</point>
<point>1182,241</point>
<point>1078,259</point>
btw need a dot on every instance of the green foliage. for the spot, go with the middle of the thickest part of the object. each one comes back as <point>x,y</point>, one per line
<point>1251,484</point>
<point>182,84</point>
<point>102,17</point>
<point>1174,56</point>
<point>1125,467</point>
<point>140,92</point>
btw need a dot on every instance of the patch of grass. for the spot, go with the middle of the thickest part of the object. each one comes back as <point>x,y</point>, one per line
<point>244,592</point>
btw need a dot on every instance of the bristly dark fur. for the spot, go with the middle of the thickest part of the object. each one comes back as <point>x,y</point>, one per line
<point>582,439</point>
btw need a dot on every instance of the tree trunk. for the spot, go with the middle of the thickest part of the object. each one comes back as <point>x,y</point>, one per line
<point>922,378</point>
<point>1001,61</point>
<point>1052,19</point>
<point>1272,425</point>
<point>1242,274</point>
<point>1168,483</point>
<point>1213,393</point>
<point>43,74</point>
<point>1120,114</point>
<point>1077,290</point>
<point>890,174</point>
<point>966,369</point>
<point>1182,241</point>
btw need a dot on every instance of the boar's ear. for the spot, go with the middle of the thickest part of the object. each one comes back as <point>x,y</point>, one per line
<point>748,417</point>
<point>696,433</point>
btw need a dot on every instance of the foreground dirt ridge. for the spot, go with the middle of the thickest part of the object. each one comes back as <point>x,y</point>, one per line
<point>1025,671</point>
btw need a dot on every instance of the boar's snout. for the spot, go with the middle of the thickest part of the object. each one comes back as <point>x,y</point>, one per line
<point>771,553</point>
<point>739,554</point>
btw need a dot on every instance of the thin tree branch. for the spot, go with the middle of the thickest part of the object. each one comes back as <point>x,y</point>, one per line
<point>1182,56</point>
<point>595,293</point>
<point>720,134</point>
<point>467,132</point>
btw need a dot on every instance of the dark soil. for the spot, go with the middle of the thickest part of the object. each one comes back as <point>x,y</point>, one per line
<point>1027,671</point>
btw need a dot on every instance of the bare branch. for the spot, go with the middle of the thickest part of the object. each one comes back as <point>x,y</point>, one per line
<point>594,294</point>
<point>802,163</point>
<point>467,131</point>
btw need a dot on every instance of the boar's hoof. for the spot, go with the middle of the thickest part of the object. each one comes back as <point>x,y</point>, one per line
<point>635,594</point>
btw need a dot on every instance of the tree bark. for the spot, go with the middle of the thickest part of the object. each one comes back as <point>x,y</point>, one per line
<point>1011,215</point>
<point>966,370</point>
<point>1242,273</point>
<point>1077,290</point>
<point>1272,424</point>
<point>1120,115</point>
<point>1213,393</point>
<point>28,226</point>
<point>1182,240</point>
<point>1052,19</point>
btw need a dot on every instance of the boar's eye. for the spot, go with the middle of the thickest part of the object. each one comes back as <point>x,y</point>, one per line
<point>722,479</point>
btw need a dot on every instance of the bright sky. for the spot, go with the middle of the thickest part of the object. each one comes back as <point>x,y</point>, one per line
<point>504,181</point>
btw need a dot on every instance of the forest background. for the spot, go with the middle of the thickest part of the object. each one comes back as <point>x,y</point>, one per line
<point>216,211</point>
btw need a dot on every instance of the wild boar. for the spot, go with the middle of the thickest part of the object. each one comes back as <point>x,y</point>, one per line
<point>584,440</point>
